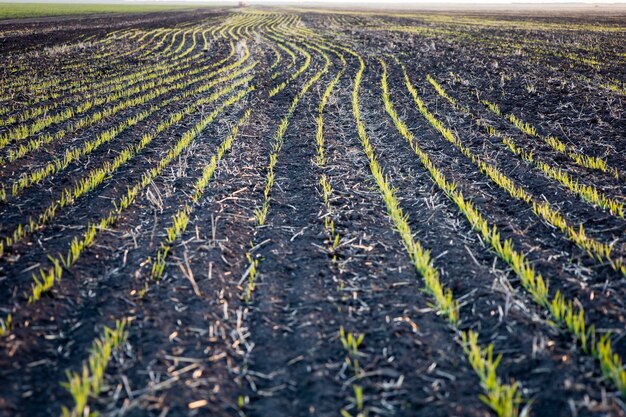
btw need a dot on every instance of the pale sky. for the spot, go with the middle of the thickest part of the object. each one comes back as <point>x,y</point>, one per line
<point>340,3</point>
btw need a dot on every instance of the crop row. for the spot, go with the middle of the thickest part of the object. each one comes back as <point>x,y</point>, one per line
<point>71,155</point>
<point>565,312</point>
<point>48,278</point>
<point>104,92</point>
<point>599,251</point>
<point>588,193</point>
<point>149,89</point>
<point>96,176</point>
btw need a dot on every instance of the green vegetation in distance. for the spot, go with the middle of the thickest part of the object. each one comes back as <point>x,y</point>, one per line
<point>22,10</point>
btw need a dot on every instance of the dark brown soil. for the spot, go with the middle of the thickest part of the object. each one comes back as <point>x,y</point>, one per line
<point>195,345</point>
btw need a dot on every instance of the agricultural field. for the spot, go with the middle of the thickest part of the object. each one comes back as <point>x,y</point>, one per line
<point>31,10</point>
<point>309,212</point>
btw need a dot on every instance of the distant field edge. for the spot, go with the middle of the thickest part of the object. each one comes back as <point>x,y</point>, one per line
<point>30,10</point>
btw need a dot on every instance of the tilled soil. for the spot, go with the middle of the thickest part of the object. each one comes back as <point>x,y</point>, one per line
<point>203,337</point>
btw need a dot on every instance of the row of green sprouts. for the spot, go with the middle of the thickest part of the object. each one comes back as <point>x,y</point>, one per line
<point>565,312</point>
<point>96,176</point>
<point>504,399</point>
<point>588,192</point>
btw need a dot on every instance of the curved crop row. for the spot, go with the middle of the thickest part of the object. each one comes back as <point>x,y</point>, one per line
<point>96,176</point>
<point>261,212</point>
<point>47,278</point>
<point>150,90</point>
<point>565,312</point>
<point>92,94</point>
<point>579,158</point>
<point>504,399</point>
<point>38,175</point>
<point>599,251</point>
<point>588,193</point>
<point>180,220</point>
